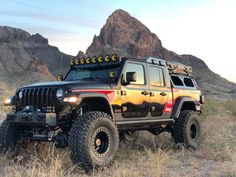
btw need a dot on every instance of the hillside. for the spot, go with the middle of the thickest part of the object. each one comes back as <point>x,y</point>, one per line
<point>28,58</point>
<point>127,36</point>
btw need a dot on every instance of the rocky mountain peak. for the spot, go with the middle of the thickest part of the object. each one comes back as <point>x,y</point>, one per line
<point>9,34</point>
<point>122,31</point>
<point>37,38</point>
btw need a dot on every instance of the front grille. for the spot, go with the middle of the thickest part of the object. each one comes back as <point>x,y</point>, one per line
<point>38,97</point>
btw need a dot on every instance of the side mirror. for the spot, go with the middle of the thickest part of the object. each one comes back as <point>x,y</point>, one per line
<point>131,77</point>
<point>60,78</point>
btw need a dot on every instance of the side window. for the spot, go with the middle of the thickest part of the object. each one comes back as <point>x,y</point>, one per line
<point>156,76</point>
<point>188,82</point>
<point>177,81</point>
<point>139,69</point>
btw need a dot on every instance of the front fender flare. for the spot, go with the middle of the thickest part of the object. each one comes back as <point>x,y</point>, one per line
<point>84,96</point>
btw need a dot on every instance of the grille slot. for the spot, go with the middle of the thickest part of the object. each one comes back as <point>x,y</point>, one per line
<point>38,97</point>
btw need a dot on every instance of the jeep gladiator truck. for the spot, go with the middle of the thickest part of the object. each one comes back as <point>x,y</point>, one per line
<point>100,101</point>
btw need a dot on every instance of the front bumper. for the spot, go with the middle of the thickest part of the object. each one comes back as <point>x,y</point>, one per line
<point>32,118</point>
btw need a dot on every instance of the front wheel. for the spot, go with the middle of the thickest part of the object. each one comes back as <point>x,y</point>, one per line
<point>8,137</point>
<point>187,129</point>
<point>93,140</point>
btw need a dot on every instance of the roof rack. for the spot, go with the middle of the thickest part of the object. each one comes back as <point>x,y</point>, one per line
<point>178,68</point>
<point>156,61</point>
<point>174,67</point>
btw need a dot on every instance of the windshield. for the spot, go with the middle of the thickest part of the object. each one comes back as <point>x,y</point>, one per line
<point>106,75</point>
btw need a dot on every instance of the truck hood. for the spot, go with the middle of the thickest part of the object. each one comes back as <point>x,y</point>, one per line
<point>70,84</point>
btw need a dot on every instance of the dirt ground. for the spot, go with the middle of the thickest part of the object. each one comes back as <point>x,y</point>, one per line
<point>150,156</point>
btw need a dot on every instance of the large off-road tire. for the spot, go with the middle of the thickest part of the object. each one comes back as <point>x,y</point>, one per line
<point>187,129</point>
<point>8,137</point>
<point>93,140</point>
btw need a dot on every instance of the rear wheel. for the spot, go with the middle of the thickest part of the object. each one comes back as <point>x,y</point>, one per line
<point>8,137</point>
<point>93,140</point>
<point>187,129</point>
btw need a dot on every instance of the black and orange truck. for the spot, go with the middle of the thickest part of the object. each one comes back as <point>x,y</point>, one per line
<point>102,100</point>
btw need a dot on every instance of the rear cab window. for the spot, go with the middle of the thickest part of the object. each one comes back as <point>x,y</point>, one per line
<point>188,82</point>
<point>183,82</point>
<point>177,81</point>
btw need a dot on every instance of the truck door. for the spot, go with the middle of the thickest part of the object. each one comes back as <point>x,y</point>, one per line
<point>135,96</point>
<point>160,91</point>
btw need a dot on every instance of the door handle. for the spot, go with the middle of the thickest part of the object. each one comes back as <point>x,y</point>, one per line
<point>145,93</point>
<point>163,94</point>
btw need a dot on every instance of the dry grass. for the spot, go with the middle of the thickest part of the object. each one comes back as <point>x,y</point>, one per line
<point>149,156</point>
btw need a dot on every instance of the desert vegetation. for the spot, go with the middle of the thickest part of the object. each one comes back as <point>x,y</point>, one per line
<point>149,156</point>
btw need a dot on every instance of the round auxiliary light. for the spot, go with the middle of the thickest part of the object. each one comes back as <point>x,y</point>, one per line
<point>107,58</point>
<point>82,61</point>
<point>114,57</point>
<point>100,59</point>
<point>59,78</point>
<point>88,60</point>
<point>77,61</point>
<point>59,94</point>
<point>112,74</point>
<point>20,94</point>
<point>94,59</point>
<point>72,62</point>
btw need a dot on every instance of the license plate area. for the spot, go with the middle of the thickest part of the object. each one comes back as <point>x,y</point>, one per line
<point>51,119</point>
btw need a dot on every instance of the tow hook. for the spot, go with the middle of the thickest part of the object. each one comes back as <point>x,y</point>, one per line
<point>61,140</point>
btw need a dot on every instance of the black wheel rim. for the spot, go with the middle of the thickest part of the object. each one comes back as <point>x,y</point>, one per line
<point>193,130</point>
<point>101,142</point>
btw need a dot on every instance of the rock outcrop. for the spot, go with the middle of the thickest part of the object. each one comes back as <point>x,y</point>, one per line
<point>19,50</point>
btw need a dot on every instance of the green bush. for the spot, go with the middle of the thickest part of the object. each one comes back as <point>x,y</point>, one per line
<point>213,106</point>
<point>230,105</point>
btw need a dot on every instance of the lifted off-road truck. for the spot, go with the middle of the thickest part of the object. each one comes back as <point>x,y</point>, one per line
<point>102,100</point>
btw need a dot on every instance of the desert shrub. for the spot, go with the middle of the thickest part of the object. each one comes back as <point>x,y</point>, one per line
<point>230,105</point>
<point>213,106</point>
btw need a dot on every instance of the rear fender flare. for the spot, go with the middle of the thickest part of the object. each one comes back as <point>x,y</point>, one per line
<point>179,104</point>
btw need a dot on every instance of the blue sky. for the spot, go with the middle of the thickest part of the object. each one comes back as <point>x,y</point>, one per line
<point>204,28</point>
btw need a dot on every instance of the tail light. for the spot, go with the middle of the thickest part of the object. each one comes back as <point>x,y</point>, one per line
<point>202,99</point>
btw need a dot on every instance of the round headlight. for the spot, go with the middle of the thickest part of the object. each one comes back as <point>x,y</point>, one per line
<point>60,93</point>
<point>20,94</point>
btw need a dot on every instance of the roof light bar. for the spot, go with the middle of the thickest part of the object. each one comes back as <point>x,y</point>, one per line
<point>94,60</point>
